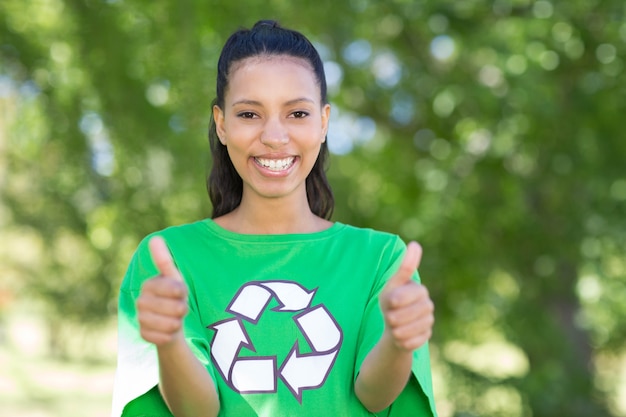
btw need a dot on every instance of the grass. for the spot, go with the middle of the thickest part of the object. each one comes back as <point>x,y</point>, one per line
<point>35,384</point>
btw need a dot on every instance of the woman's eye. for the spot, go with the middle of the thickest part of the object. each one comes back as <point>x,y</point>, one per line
<point>246,115</point>
<point>299,114</point>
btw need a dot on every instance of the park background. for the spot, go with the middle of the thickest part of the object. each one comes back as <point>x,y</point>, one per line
<point>490,131</point>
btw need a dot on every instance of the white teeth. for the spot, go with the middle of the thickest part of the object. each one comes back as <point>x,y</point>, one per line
<point>275,164</point>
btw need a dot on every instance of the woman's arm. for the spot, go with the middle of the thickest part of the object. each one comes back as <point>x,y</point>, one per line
<point>408,314</point>
<point>185,384</point>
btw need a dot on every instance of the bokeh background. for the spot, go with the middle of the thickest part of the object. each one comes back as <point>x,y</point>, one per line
<point>490,131</point>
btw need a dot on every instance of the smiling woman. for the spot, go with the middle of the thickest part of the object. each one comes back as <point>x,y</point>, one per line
<point>345,322</point>
<point>273,126</point>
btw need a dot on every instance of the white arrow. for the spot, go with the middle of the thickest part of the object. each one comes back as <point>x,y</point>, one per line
<point>259,374</point>
<point>291,295</point>
<point>229,337</point>
<point>250,302</point>
<point>306,371</point>
<point>254,375</point>
<point>320,329</point>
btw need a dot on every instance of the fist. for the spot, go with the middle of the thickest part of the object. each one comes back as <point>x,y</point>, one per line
<point>162,303</point>
<point>406,305</point>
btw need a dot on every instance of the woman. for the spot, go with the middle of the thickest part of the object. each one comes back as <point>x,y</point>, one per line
<point>269,308</point>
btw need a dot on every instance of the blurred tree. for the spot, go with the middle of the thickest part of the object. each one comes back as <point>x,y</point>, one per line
<point>489,131</point>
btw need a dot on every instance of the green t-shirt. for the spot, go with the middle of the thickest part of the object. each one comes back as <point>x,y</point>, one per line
<point>281,322</point>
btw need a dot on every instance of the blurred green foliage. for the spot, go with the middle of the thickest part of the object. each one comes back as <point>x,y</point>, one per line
<point>490,131</point>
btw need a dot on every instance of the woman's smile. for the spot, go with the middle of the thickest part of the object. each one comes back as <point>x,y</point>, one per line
<point>275,165</point>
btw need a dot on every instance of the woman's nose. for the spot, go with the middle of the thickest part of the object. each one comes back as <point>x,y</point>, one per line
<point>274,134</point>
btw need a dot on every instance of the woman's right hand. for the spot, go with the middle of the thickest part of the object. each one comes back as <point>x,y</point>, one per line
<point>162,303</point>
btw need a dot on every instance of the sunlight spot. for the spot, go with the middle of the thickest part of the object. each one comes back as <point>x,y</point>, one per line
<point>589,289</point>
<point>606,53</point>
<point>613,69</point>
<point>442,47</point>
<point>491,76</point>
<point>595,224</point>
<point>60,52</point>
<point>436,180</point>
<point>159,164</point>
<point>504,285</point>
<point>444,103</point>
<point>543,9</point>
<point>386,69</point>
<point>323,50</point>
<point>334,75</point>
<point>402,108</point>
<point>133,176</point>
<point>390,26</point>
<point>29,90</point>
<point>574,48</point>
<point>347,130</point>
<point>91,124</point>
<point>520,164</point>
<point>7,87</point>
<point>618,190</point>
<point>496,359</point>
<point>562,32</point>
<point>516,64</point>
<point>591,247</point>
<point>440,149</point>
<point>412,227</point>
<point>549,60</point>
<point>501,400</point>
<point>101,237</point>
<point>158,93</point>
<point>534,50</point>
<point>478,142</point>
<point>358,52</point>
<point>102,156</point>
<point>438,23</point>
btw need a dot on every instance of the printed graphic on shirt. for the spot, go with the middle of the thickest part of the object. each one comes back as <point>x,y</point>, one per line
<point>260,374</point>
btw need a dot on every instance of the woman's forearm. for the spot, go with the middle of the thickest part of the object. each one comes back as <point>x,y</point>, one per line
<point>185,384</point>
<point>383,374</point>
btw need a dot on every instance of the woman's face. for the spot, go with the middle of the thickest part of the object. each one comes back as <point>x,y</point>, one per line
<point>273,124</point>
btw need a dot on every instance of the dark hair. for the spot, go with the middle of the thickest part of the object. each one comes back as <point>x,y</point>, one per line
<point>266,38</point>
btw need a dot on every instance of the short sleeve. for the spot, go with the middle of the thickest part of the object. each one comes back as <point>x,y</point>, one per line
<point>137,372</point>
<point>417,398</point>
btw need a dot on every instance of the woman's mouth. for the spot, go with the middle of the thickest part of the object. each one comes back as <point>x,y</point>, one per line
<point>276,165</point>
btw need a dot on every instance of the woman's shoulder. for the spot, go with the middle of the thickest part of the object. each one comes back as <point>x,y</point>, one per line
<point>369,233</point>
<point>181,232</point>
<point>371,238</point>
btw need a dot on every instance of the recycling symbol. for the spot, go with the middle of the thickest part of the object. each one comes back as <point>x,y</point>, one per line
<point>299,371</point>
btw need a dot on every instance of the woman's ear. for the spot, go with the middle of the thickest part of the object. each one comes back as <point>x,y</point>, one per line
<point>218,118</point>
<point>325,120</point>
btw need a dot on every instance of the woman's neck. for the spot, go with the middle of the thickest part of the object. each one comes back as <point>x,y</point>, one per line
<point>272,217</point>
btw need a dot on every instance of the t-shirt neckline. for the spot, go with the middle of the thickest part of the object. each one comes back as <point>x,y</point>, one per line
<point>288,237</point>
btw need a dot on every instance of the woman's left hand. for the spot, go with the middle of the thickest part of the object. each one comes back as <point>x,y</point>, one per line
<point>406,305</point>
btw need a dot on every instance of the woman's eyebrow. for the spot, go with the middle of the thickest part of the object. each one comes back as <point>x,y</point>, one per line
<point>258,103</point>
<point>247,102</point>
<point>299,100</point>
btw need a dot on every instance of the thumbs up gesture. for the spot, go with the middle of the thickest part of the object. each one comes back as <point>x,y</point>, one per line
<point>406,305</point>
<point>162,303</point>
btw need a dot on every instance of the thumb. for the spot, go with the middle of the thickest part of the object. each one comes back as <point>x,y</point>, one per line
<point>407,268</point>
<point>163,258</point>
